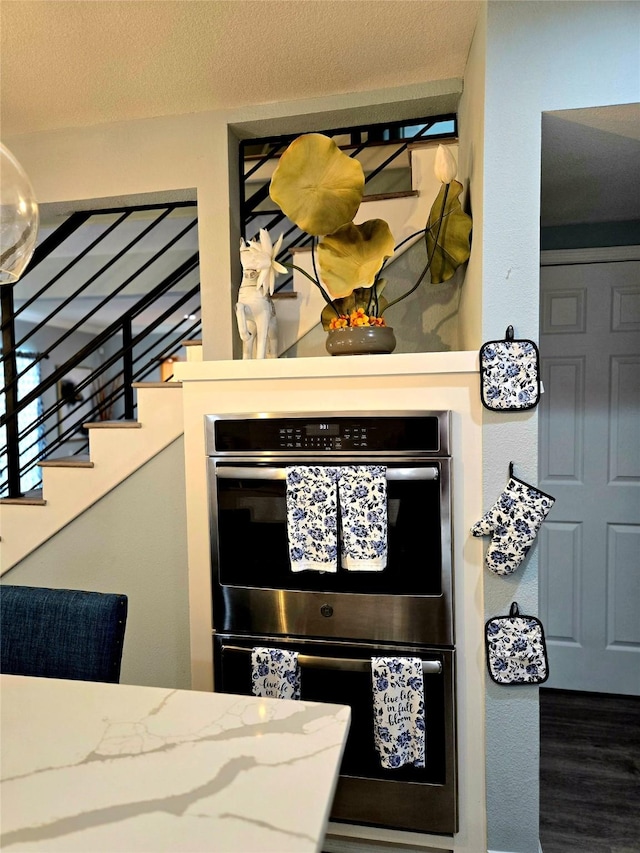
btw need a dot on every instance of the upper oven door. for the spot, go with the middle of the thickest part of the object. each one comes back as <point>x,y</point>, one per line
<point>256,590</point>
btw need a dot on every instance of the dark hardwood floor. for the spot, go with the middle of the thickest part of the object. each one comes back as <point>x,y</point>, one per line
<point>589,772</point>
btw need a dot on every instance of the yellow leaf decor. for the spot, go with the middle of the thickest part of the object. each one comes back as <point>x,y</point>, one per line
<point>316,185</point>
<point>448,242</point>
<point>352,256</point>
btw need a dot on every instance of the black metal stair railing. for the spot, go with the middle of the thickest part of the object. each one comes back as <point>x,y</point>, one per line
<point>397,136</point>
<point>143,296</point>
<point>155,318</point>
<point>135,368</point>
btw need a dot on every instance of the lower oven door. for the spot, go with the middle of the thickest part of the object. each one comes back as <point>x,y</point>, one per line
<point>409,798</point>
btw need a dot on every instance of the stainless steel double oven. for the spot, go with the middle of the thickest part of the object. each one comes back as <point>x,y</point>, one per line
<point>337,621</point>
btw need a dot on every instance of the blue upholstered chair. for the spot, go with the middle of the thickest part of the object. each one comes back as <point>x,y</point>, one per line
<point>61,633</point>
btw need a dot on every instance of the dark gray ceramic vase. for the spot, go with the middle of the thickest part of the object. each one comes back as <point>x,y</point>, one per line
<point>361,340</point>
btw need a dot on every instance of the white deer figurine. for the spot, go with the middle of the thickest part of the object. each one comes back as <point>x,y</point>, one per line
<point>255,314</point>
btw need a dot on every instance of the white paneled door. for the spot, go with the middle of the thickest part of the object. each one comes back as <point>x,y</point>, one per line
<point>590,461</point>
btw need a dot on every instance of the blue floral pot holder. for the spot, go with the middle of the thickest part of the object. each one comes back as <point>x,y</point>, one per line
<point>509,374</point>
<point>516,650</point>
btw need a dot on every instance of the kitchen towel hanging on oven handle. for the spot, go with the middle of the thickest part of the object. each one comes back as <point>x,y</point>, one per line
<point>510,374</point>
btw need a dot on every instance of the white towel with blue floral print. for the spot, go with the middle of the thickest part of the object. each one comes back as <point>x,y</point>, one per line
<point>275,673</point>
<point>362,491</point>
<point>312,509</point>
<point>398,711</point>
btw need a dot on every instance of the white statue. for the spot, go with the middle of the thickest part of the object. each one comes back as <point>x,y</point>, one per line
<point>256,318</point>
<point>255,314</point>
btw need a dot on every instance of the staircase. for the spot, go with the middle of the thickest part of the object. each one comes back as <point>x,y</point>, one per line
<point>70,485</point>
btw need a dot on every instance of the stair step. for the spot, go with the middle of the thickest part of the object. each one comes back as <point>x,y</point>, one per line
<point>80,461</point>
<point>194,349</point>
<point>113,425</point>
<point>71,490</point>
<point>384,196</point>
<point>431,143</point>
<point>24,501</point>
<point>170,384</point>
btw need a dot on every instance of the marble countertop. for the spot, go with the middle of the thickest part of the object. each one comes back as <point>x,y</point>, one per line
<point>110,767</point>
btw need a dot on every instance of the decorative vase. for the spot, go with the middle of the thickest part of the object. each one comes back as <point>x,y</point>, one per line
<point>361,340</point>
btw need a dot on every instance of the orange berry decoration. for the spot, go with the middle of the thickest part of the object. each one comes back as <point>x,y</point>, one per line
<point>340,322</point>
<point>356,318</point>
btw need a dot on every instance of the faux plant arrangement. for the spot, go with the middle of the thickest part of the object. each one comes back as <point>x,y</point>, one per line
<point>320,188</point>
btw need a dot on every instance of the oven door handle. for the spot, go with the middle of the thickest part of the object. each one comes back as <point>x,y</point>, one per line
<point>429,667</point>
<point>242,472</point>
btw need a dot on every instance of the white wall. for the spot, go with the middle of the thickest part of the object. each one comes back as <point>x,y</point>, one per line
<point>538,57</point>
<point>126,159</point>
<point>471,163</point>
<point>199,151</point>
<point>133,541</point>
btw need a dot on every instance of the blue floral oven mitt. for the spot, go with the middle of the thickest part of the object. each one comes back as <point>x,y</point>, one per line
<point>513,523</point>
<point>509,374</point>
<point>516,650</point>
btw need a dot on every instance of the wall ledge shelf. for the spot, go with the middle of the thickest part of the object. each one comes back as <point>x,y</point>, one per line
<point>396,364</point>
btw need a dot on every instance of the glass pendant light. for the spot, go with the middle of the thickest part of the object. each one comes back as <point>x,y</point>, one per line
<point>18,218</point>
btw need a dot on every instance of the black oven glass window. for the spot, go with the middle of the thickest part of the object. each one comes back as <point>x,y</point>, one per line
<point>354,689</point>
<point>253,550</point>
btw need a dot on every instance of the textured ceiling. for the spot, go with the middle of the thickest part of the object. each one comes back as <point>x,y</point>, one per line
<point>83,62</point>
<point>73,63</point>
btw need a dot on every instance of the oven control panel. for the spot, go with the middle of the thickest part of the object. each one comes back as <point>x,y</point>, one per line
<point>323,436</point>
<point>382,433</point>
